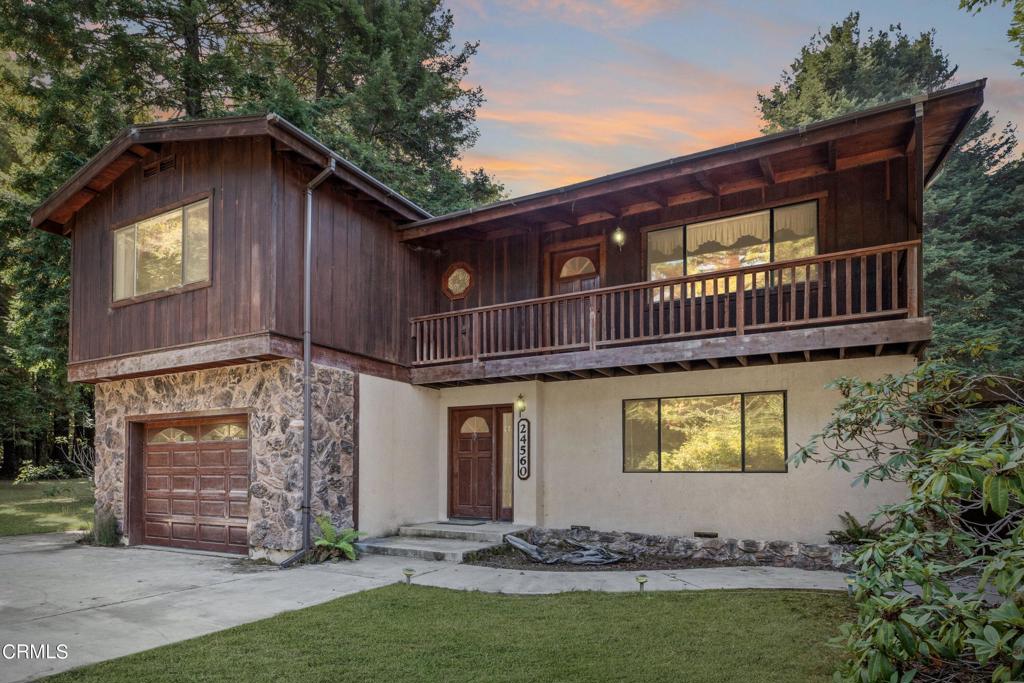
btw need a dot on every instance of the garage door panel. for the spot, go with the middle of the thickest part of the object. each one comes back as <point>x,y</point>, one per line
<point>196,493</point>
<point>213,458</point>
<point>183,459</point>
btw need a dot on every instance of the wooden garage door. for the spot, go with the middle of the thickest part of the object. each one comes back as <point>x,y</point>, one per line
<point>196,484</point>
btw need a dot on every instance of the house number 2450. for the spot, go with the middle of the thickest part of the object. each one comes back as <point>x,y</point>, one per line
<point>523,448</point>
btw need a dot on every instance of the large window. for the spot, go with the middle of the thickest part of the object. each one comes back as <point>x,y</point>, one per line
<point>163,252</point>
<point>750,239</point>
<point>722,433</point>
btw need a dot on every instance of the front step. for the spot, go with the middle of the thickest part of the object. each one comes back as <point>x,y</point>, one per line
<point>424,548</point>
<point>441,542</point>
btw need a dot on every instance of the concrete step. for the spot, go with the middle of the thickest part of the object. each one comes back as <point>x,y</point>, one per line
<point>423,548</point>
<point>489,532</point>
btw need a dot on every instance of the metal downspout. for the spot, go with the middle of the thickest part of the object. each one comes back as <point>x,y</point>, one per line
<point>307,362</point>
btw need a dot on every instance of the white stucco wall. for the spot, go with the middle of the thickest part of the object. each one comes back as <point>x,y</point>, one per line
<point>577,456</point>
<point>398,464</point>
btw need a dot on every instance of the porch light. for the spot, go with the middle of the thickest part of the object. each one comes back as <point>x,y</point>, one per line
<point>520,405</point>
<point>618,237</point>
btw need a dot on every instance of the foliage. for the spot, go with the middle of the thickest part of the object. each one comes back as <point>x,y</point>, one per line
<point>974,246</point>
<point>974,209</point>
<point>839,71</point>
<point>855,532</point>
<point>80,455</point>
<point>335,543</point>
<point>104,530</point>
<point>939,593</point>
<point>32,472</point>
<point>1016,31</point>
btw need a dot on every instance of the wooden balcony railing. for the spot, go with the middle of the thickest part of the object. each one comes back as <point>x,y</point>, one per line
<point>836,288</point>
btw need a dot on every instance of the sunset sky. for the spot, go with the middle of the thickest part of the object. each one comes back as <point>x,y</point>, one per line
<point>580,88</point>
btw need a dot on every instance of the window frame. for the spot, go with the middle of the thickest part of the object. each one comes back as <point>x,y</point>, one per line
<point>743,433</point>
<point>167,208</point>
<point>819,198</point>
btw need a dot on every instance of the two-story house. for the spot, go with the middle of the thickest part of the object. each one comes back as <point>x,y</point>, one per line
<point>636,352</point>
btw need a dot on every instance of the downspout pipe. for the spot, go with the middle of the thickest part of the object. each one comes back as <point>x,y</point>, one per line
<point>307,363</point>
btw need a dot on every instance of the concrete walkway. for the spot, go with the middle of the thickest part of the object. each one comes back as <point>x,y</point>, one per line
<point>108,602</point>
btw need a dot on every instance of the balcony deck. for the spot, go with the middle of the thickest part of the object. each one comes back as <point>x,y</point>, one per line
<point>850,303</point>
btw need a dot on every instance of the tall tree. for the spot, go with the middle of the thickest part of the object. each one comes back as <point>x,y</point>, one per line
<point>974,210</point>
<point>1016,31</point>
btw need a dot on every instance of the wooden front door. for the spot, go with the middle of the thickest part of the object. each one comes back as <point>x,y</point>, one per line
<point>195,491</point>
<point>574,267</point>
<point>479,478</point>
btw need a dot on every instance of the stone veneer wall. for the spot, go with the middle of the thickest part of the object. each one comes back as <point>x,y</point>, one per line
<point>271,392</point>
<point>727,550</point>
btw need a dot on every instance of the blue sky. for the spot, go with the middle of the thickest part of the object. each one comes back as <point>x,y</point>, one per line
<point>580,88</point>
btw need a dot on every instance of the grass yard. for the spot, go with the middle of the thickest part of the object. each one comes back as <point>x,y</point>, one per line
<point>401,633</point>
<point>43,506</point>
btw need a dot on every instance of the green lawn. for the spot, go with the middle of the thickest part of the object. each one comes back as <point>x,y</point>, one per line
<point>43,506</point>
<point>402,633</point>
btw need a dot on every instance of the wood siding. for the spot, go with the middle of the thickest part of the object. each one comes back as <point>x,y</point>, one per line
<point>861,207</point>
<point>236,302</point>
<point>366,285</point>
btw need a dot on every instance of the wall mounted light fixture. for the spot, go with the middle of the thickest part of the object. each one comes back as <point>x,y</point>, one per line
<point>618,237</point>
<point>520,405</point>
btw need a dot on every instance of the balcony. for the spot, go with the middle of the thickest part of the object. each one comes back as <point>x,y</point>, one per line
<point>863,301</point>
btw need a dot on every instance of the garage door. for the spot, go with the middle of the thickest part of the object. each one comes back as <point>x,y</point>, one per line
<point>196,490</point>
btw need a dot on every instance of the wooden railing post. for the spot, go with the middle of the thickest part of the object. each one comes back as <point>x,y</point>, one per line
<point>741,303</point>
<point>912,282</point>
<point>476,336</point>
<point>593,322</point>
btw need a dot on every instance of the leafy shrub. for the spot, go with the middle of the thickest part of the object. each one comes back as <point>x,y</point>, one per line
<point>335,543</point>
<point>940,592</point>
<point>855,532</point>
<point>31,472</point>
<point>104,529</point>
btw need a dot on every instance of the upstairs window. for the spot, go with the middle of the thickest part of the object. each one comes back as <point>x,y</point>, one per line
<point>751,239</point>
<point>165,251</point>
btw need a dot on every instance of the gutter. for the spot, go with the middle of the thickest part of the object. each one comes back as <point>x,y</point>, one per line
<point>307,362</point>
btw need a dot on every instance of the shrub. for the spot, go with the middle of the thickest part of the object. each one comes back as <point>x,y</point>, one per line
<point>855,532</point>
<point>31,472</point>
<point>104,529</point>
<point>334,543</point>
<point>939,592</point>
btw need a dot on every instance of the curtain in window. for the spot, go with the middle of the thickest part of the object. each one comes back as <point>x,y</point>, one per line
<point>665,253</point>
<point>796,230</point>
<point>124,263</point>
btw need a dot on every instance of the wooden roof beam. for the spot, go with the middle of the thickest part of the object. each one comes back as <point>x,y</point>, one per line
<point>767,170</point>
<point>704,180</point>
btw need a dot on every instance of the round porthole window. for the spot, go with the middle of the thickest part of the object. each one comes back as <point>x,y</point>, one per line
<point>457,280</point>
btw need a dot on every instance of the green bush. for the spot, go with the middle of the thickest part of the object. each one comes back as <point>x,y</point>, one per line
<point>939,592</point>
<point>104,529</point>
<point>855,532</point>
<point>334,543</point>
<point>31,472</point>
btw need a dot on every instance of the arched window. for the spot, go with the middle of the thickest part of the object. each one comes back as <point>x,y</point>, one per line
<point>577,266</point>
<point>171,435</point>
<point>475,425</point>
<point>225,432</point>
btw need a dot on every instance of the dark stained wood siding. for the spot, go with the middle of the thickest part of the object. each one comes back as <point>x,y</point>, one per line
<point>237,171</point>
<point>859,211</point>
<point>366,284</point>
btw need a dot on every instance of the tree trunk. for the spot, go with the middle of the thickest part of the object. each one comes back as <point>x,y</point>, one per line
<point>191,67</point>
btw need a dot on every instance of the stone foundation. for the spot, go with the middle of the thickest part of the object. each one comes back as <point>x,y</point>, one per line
<point>729,550</point>
<point>271,392</point>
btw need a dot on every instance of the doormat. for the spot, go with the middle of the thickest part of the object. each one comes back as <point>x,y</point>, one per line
<point>464,522</point>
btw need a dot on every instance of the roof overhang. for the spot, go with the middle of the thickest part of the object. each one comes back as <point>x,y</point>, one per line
<point>140,142</point>
<point>856,139</point>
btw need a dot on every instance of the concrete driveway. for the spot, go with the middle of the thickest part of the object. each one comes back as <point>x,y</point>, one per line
<point>108,602</point>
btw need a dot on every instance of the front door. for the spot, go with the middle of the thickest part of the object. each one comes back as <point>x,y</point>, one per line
<point>479,478</point>
<point>574,267</point>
